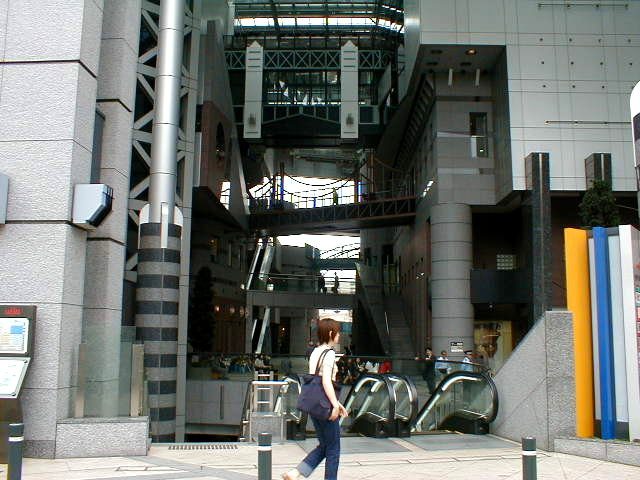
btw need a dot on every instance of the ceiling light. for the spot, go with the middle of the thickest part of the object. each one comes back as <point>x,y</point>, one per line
<point>471,51</point>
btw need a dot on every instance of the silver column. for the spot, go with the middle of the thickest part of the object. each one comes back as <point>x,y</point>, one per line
<point>162,182</point>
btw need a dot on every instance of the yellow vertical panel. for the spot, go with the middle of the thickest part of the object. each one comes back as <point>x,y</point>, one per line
<point>579,303</point>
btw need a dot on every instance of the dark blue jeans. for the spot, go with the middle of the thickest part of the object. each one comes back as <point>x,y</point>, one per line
<point>329,437</point>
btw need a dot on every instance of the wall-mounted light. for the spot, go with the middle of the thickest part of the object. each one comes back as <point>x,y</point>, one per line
<point>471,51</point>
<point>216,308</point>
<point>232,310</point>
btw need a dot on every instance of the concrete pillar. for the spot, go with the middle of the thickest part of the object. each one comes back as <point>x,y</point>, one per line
<point>253,91</point>
<point>48,65</point>
<point>451,262</point>
<point>349,108</point>
<point>102,315</point>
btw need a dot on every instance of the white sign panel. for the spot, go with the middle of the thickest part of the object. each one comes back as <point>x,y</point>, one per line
<point>12,372</point>
<point>14,335</point>
<point>630,273</point>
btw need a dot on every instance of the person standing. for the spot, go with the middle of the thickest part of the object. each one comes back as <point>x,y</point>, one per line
<point>327,430</point>
<point>429,371</point>
<point>466,361</point>
<point>336,283</point>
<point>442,364</point>
<point>321,287</point>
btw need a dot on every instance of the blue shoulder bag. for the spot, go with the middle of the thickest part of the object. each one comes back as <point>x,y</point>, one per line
<point>312,399</point>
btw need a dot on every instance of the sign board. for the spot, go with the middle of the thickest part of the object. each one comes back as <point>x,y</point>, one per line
<point>14,336</point>
<point>12,372</point>
<point>456,347</point>
<point>17,324</point>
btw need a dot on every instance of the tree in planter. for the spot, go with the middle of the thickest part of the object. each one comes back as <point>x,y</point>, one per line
<point>201,319</point>
<point>598,207</point>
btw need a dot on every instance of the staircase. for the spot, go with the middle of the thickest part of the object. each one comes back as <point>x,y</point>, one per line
<point>399,333</point>
<point>373,295</point>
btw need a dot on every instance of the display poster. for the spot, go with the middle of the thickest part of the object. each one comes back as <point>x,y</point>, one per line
<point>12,371</point>
<point>14,335</point>
<point>456,347</point>
<point>493,343</point>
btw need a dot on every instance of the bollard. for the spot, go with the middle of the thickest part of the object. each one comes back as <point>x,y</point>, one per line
<point>16,440</point>
<point>264,456</point>
<point>529,458</point>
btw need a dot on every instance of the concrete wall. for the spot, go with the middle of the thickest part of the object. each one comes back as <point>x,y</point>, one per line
<point>96,437</point>
<point>536,386</point>
<point>564,65</point>
<point>49,57</point>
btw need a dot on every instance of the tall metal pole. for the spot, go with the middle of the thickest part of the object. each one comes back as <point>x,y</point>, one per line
<point>159,252</point>
<point>162,182</point>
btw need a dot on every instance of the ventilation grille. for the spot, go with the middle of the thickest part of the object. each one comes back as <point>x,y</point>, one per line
<point>208,446</point>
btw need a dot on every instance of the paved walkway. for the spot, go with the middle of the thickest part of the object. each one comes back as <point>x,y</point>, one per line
<point>446,457</point>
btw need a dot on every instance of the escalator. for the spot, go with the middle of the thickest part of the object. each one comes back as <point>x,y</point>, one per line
<point>386,405</point>
<point>465,402</point>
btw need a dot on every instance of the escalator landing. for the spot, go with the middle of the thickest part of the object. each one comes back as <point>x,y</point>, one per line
<point>428,442</point>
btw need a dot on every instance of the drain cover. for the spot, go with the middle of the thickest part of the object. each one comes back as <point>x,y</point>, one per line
<point>203,446</point>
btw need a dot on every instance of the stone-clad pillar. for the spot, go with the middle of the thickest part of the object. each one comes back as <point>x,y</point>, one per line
<point>451,263</point>
<point>538,182</point>
<point>102,315</point>
<point>157,321</point>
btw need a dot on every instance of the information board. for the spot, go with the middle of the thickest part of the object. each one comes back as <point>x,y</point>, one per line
<point>456,347</point>
<point>12,372</point>
<point>14,335</point>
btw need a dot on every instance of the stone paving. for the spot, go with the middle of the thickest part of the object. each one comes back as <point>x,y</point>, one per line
<point>445,456</point>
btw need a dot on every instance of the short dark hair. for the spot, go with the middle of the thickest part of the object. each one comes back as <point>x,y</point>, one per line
<point>325,327</point>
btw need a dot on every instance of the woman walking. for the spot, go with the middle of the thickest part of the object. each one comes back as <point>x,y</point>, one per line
<point>323,359</point>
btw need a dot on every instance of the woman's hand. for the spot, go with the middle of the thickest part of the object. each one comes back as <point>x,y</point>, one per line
<point>342,411</point>
<point>335,412</point>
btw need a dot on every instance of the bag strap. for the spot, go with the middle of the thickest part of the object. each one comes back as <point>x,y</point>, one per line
<point>321,360</point>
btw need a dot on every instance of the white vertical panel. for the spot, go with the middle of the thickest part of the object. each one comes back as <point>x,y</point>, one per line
<point>252,116</point>
<point>629,258</point>
<point>349,109</point>
<point>617,324</point>
<point>594,330</point>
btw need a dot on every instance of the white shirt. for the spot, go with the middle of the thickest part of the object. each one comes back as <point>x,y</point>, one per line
<point>328,363</point>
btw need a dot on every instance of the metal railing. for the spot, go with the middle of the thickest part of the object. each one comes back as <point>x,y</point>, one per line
<point>304,283</point>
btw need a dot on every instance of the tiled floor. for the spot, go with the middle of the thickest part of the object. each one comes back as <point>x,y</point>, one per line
<point>447,457</point>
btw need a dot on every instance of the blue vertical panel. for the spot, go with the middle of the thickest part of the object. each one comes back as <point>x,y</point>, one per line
<point>605,334</point>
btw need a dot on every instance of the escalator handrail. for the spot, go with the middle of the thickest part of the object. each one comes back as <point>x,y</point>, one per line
<point>413,392</point>
<point>367,377</point>
<point>452,378</point>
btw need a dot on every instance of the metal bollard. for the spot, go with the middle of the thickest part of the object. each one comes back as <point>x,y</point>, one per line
<point>16,440</point>
<point>264,456</point>
<point>529,468</point>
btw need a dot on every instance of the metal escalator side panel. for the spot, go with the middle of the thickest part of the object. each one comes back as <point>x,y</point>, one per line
<point>263,328</point>
<point>457,393</point>
<point>402,382</point>
<point>254,263</point>
<point>377,407</point>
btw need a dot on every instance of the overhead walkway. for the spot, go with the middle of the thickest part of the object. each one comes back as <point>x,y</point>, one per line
<point>343,257</point>
<point>301,291</point>
<point>281,212</point>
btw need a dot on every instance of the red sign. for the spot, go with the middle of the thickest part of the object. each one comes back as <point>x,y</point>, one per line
<point>13,311</point>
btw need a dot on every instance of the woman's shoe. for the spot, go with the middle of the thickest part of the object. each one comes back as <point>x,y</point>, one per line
<point>291,475</point>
